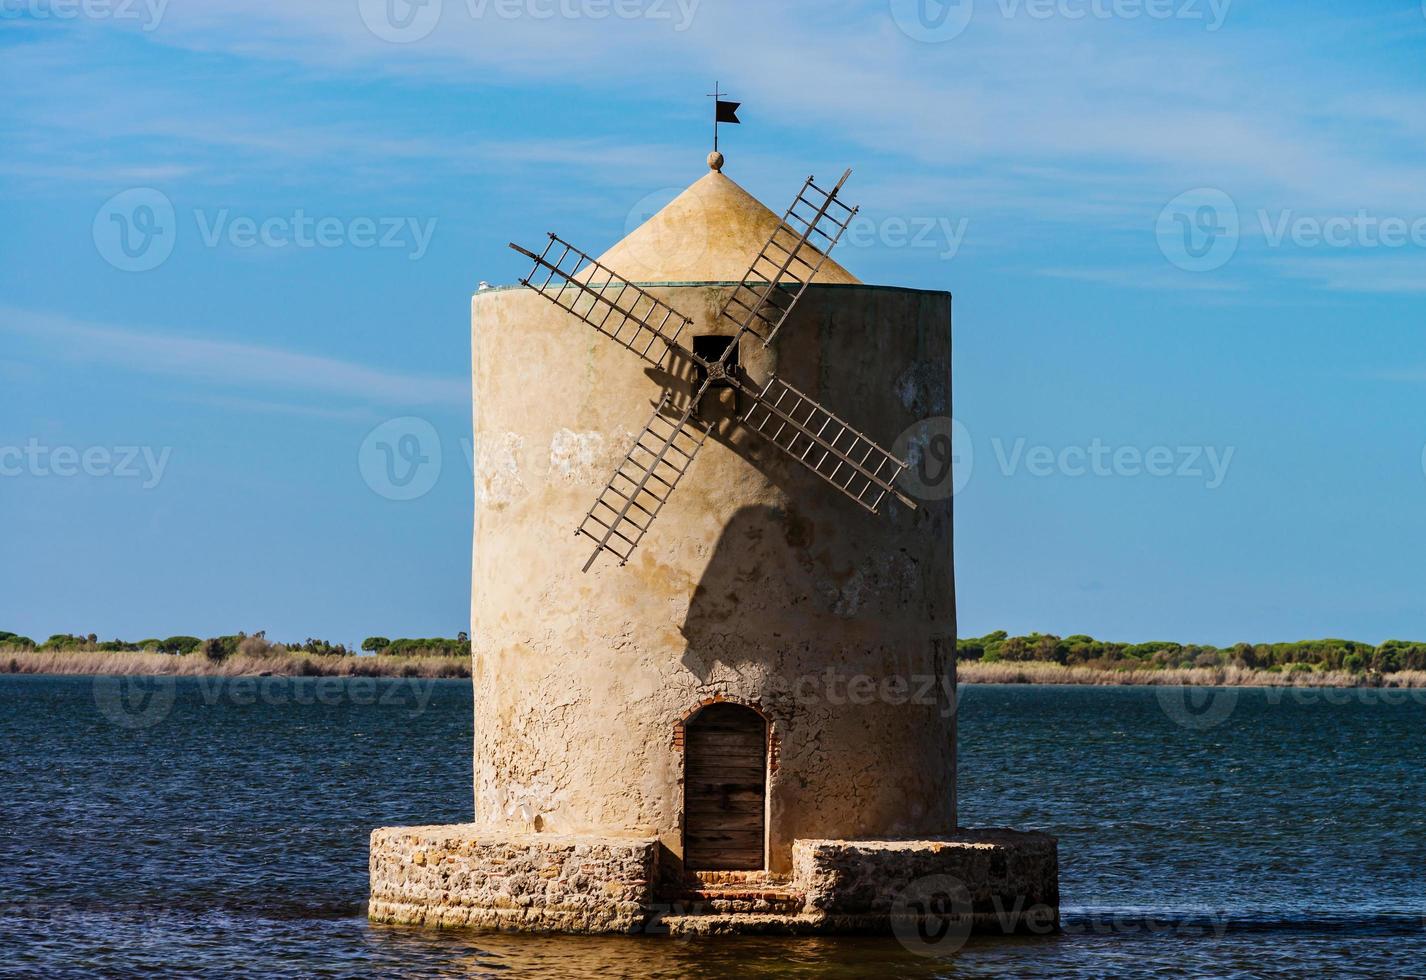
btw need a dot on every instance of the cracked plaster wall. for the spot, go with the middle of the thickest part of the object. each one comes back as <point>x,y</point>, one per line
<point>756,579</point>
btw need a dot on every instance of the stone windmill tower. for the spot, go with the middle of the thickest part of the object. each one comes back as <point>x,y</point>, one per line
<point>756,689</point>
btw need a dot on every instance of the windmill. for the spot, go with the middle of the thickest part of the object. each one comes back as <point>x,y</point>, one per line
<point>758,307</point>
<point>645,739</point>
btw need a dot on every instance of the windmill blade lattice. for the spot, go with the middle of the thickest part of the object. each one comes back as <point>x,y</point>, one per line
<point>760,305</point>
<point>618,309</point>
<point>825,444</point>
<point>642,482</point>
<point>792,256</point>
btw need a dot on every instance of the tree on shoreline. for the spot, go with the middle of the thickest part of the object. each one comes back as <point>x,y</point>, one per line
<point>219,648</point>
<point>1085,651</point>
<point>1077,650</point>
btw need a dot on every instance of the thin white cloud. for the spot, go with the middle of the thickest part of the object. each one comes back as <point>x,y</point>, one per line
<point>1360,273</point>
<point>259,406</point>
<point>1155,279</point>
<point>238,365</point>
<point>92,117</point>
<point>106,176</point>
<point>1110,99</point>
<point>1095,121</point>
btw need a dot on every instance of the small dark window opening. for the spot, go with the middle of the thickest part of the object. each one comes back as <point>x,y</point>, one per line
<point>710,347</point>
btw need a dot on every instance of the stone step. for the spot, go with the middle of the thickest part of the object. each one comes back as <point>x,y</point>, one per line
<point>731,899</point>
<point>711,878</point>
<point>742,924</point>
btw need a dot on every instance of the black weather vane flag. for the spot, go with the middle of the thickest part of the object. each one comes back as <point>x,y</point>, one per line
<point>723,112</point>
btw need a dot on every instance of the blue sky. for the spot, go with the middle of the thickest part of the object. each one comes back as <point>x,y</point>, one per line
<point>1176,230</point>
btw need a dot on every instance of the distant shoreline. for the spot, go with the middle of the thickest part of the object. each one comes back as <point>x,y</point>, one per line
<point>1038,672</point>
<point>131,663</point>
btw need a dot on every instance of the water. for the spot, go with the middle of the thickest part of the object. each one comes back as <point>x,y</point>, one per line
<point>219,828</point>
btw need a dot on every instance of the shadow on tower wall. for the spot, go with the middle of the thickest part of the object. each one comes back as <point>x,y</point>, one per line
<point>735,589</point>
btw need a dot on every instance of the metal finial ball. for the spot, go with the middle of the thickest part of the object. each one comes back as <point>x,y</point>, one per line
<point>715,161</point>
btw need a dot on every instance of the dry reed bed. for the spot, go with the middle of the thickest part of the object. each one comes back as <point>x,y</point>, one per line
<point>971,672</point>
<point>282,664</point>
<point>302,665</point>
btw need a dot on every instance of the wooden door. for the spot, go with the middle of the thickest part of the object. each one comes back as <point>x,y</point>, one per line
<point>724,789</point>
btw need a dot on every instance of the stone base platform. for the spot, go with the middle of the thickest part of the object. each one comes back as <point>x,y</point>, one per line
<point>459,875</point>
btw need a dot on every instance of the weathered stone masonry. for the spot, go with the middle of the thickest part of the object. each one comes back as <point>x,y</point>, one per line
<point>459,876</point>
<point>456,876</point>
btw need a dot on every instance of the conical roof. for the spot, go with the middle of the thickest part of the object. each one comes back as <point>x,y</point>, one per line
<point>709,233</point>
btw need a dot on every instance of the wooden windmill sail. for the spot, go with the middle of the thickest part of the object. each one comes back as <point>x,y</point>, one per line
<point>759,306</point>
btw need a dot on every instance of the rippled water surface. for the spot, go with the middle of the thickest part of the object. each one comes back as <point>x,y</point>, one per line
<point>219,827</point>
